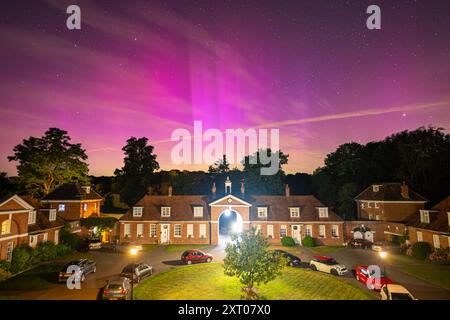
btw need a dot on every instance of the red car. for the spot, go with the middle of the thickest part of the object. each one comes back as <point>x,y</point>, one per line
<point>191,256</point>
<point>362,275</point>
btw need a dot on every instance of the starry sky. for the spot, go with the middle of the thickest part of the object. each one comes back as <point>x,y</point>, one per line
<point>310,68</point>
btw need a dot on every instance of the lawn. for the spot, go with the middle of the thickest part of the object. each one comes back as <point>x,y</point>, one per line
<point>438,275</point>
<point>41,277</point>
<point>184,247</point>
<point>149,247</point>
<point>208,282</point>
<point>327,249</point>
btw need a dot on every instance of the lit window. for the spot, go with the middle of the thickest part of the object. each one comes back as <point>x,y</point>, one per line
<point>262,212</point>
<point>203,231</point>
<point>52,215</point>
<point>153,230</point>
<point>323,212</point>
<point>6,227</point>
<point>137,211</point>
<point>140,230</point>
<point>377,217</point>
<point>33,241</point>
<point>295,212</point>
<point>448,217</point>
<point>376,188</point>
<point>190,230</point>
<point>363,205</point>
<point>85,207</point>
<point>321,231</point>
<point>177,230</point>
<point>270,231</point>
<point>32,217</point>
<point>198,211</point>
<point>309,230</point>
<point>436,241</point>
<point>335,231</point>
<point>419,236</point>
<point>165,211</point>
<point>283,231</point>
<point>127,230</point>
<point>424,216</point>
<point>61,207</point>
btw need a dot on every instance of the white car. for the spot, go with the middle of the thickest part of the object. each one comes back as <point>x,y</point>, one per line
<point>395,292</point>
<point>378,247</point>
<point>328,265</point>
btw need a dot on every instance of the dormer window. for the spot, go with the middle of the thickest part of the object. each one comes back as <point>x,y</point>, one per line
<point>375,188</point>
<point>198,212</point>
<point>52,215</point>
<point>61,207</point>
<point>323,212</point>
<point>424,216</point>
<point>32,217</point>
<point>137,211</point>
<point>165,211</point>
<point>295,212</point>
<point>262,212</point>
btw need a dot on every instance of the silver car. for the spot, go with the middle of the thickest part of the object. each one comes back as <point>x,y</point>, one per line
<point>117,288</point>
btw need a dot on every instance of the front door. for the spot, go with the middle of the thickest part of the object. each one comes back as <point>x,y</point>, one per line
<point>165,233</point>
<point>295,231</point>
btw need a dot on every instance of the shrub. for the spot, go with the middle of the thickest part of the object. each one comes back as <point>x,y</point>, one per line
<point>440,255</point>
<point>421,250</point>
<point>21,258</point>
<point>63,249</point>
<point>5,265</point>
<point>287,241</point>
<point>70,239</point>
<point>46,251</point>
<point>308,241</point>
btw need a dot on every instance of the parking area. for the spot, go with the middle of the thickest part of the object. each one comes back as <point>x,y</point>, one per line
<point>110,264</point>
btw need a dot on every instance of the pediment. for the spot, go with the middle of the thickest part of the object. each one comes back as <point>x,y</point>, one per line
<point>229,200</point>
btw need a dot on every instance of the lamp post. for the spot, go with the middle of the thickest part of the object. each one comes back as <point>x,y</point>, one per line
<point>383,255</point>
<point>133,253</point>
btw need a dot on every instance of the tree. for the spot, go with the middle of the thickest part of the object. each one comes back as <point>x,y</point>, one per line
<point>49,161</point>
<point>99,224</point>
<point>220,166</point>
<point>247,257</point>
<point>137,173</point>
<point>346,208</point>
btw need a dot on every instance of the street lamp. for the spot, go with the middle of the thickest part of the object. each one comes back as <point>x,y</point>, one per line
<point>383,255</point>
<point>133,253</point>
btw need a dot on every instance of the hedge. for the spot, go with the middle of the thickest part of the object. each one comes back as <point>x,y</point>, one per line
<point>287,241</point>
<point>308,241</point>
<point>421,250</point>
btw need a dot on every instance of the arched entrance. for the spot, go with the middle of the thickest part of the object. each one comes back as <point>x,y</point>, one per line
<point>363,232</point>
<point>229,222</point>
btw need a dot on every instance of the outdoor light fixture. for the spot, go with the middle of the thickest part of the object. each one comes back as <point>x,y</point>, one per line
<point>383,254</point>
<point>133,251</point>
<point>227,213</point>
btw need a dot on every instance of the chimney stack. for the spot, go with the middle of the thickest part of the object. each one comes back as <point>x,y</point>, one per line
<point>287,191</point>
<point>86,189</point>
<point>169,191</point>
<point>242,187</point>
<point>404,190</point>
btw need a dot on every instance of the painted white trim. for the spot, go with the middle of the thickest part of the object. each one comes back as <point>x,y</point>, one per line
<point>20,201</point>
<point>59,201</point>
<point>244,203</point>
<point>16,211</point>
<point>13,237</point>
<point>382,201</point>
<point>432,231</point>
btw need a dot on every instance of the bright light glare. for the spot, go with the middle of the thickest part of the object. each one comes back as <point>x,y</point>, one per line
<point>236,227</point>
<point>227,213</point>
<point>133,251</point>
<point>383,254</point>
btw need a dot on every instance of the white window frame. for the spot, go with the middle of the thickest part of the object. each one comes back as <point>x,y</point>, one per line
<point>377,205</point>
<point>177,230</point>
<point>425,216</point>
<point>190,230</point>
<point>262,212</point>
<point>369,205</point>
<point>335,231</point>
<point>32,217</point>
<point>419,236</point>
<point>258,229</point>
<point>270,231</point>
<point>323,234</point>
<point>52,215</point>
<point>9,250</point>
<point>137,211</point>
<point>370,216</point>
<point>61,207</point>
<point>56,236</point>
<point>377,217</point>
<point>308,230</point>
<point>198,211</point>
<point>140,233</point>
<point>165,212</point>
<point>45,238</point>
<point>448,217</point>
<point>127,229</point>
<point>375,188</point>
<point>283,227</point>
<point>436,241</point>
<point>202,230</point>
<point>323,212</point>
<point>363,205</point>
<point>152,230</point>
<point>33,241</point>
<point>294,212</point>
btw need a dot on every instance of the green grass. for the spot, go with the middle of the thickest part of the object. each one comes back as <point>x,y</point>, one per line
<point>327,249</point>
<point>208,282</point>
<point>41,277</point>
<point>149,247</point>
<point>438,275</point>
<point>183,247</point>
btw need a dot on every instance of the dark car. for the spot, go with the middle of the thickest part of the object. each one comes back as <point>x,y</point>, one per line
<point>192,256</point>
<point>360,244</point>
<point>85,267</point>
<point>117,288</point>
<point>293,261</point>
<point>137,271</point>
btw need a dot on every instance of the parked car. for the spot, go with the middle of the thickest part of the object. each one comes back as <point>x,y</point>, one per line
<point>292,259</point>
<point>362,274</point>
<point>125,247</point>
<point>360,244</point>
<point>90,244</point>
<point>86,267</point>
<point>117,288</point>
<point>378,247</point>
<point>328,265</point>
<point>194,255</point>
<point>395,292</point>
<point>141,270</point>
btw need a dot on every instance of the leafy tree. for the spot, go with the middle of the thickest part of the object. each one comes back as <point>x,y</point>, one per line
<point>220,166</point>
<point>247,257</point>
<point>101,223</point>
<point>346,195</point>
<point>48,161</point>
<point>136,175</point>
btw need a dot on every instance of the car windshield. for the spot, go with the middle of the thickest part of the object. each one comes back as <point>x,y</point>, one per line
<point>185,253</point>
<point>114,287</point>
<point>401,296</point>
<point>128,269</point>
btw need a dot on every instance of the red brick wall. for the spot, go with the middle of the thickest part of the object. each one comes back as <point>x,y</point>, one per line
<point>427,236</point>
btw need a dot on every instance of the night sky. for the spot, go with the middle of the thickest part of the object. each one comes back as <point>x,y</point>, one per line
<point>310,68</point>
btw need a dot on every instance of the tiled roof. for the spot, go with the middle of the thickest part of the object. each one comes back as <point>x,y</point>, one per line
<point>72,191</point>
<point>388,192</point>
<point>43,223</point>
<point>439,220</point>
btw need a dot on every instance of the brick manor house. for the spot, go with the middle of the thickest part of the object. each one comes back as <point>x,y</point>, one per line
<point>189,219</point>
